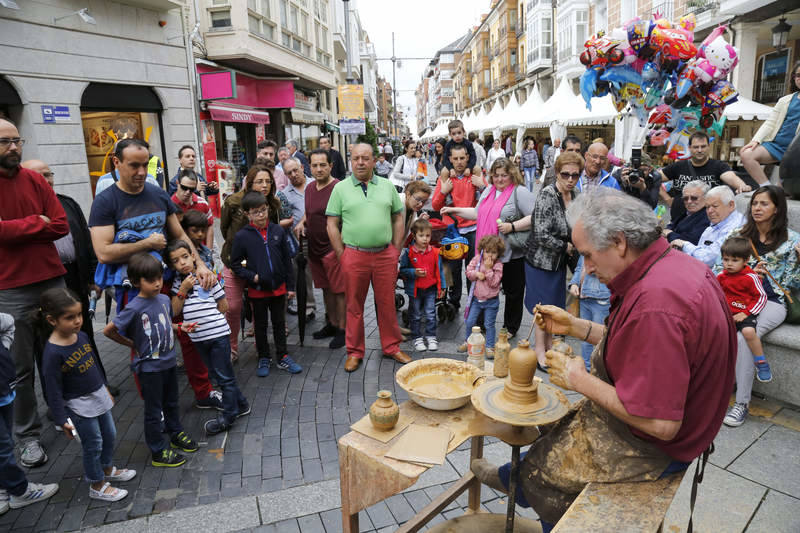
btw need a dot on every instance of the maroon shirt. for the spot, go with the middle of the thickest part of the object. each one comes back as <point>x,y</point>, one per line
<point>671,349</point>
<point>319,245</point>
<point>27,252</point>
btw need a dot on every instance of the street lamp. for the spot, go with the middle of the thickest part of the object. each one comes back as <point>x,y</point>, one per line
<point>82,13</point>
<point>780,34</point>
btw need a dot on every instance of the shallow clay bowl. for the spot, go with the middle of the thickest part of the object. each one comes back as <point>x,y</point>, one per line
<point>439,384</point>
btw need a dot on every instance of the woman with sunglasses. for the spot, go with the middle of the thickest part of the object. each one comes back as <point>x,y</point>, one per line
<point>414,199</point>
<point>233,218</point>
<point>549,246</point>
<point>778,247</point>
<point>773,137</point>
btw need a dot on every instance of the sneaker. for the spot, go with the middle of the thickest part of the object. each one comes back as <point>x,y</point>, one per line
<point>167,458</point>
<point>462,348</point>
<point>32,455</point>
<point>433,344</point>
<point>736,415</point>
<point>215,426</point>
<point>244,410</point>
<point>292,307</point>
<point>489,353</point>
<point>311,315</point>
<point>328,331</point>
<point>35,493</point>
<point>263,367</point>
<point>763,372</point>
<point>287,363</point>
<point>338,340</point>
<point>419,344</point>
<point>113,495</point>
<point>120,474</point>
<point>4,507</point>
<point>183,442</point>
<point>214,401</point>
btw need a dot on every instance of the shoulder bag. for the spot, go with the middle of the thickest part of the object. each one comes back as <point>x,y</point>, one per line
<point>792,298</point>
<point>517,239</point>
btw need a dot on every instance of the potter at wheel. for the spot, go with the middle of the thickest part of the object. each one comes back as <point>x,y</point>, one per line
<point>519,400</point>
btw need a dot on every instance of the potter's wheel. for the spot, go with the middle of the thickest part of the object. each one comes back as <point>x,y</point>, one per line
<point>550,405</point>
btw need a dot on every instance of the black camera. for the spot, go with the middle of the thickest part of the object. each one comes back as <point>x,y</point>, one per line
<point>636,162</point>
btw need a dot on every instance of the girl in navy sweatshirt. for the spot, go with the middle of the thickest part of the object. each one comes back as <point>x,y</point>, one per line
<point>77,394</point>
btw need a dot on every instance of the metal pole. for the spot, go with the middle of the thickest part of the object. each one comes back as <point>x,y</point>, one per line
<point>394,88</point>
<point>512,489</point>
<point>348,64</point>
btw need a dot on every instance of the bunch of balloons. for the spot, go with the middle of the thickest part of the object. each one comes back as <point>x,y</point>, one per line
<point>672,86</point>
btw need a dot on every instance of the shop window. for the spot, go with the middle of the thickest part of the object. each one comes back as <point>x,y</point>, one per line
<point>221,19</point>
<point>771,76</point>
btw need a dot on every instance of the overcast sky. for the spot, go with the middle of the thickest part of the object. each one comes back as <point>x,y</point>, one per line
<point>421,27</point>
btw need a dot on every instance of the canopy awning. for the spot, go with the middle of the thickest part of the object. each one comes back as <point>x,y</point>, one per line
<point>746,109</point>
<point>556,106</point>
<point>603,112</point>
<point>238,114</point>
<point>510,117</point>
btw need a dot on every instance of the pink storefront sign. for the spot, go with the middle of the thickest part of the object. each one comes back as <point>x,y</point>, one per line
<point>237,114</point>
<point>246,90</point>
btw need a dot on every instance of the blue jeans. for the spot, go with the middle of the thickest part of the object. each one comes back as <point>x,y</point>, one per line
<point>596,311</point>
<point>489,308</point>
<point>160,395</point>
<point>98,435</point>
<point>12,478</point>
<point>216,354</point>
<point>423,302</point>
<point>530,177</point>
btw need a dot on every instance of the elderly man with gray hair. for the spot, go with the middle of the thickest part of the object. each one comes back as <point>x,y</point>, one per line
<point>295,152</point>
<point>694,221</point>
<point>668,317</point>
<point>724,218</point>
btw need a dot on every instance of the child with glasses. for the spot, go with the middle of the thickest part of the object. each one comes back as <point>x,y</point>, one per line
<point>261,255</point>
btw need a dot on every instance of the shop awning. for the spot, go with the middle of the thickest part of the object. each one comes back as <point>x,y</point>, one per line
<point>237,114</point>
<point>746,109</point>
<point>301,116</point>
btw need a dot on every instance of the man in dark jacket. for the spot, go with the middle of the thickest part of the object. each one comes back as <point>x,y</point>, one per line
<point>338,170</point>
<point>294,151</point>
<point>694,221</point>
<point>76,254</point>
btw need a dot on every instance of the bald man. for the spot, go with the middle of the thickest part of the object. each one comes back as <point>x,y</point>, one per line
<point>76,254</point>
<point>594,173</point>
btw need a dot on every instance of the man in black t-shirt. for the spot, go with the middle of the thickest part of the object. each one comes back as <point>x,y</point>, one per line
<point>698,167</point>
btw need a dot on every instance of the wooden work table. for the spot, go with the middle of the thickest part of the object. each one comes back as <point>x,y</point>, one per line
<point>368,477</point>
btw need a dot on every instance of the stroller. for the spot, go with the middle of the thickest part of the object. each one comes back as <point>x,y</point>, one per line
<point>451,246</point>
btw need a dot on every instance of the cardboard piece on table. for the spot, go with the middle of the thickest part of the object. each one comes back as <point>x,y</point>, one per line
<point>421,445</point>
<point>365,427</point>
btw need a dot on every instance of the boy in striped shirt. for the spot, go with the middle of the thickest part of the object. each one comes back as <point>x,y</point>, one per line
<point>211,335</point>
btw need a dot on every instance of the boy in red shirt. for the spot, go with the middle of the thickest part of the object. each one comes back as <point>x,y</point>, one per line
<point>421,270</point>
<point>746,298</point>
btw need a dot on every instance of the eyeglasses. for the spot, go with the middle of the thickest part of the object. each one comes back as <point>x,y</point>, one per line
<point>596,157</point>
<point>419,200</point>
<point>567,175</point>
<point>5,143</point>
<point>185,188</point>
<point>48,174</point>
<point>259,212</point>
<point>690,198</point>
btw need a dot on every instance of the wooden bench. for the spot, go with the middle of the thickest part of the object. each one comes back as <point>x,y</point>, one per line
<point>621,507</point>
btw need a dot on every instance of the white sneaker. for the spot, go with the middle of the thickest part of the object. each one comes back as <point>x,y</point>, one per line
<point>114,495</point>
<point>433,344</point>
<point>35,493</point>
<point>419,344</point>
<point>4,507</point>
<point>120,474</point>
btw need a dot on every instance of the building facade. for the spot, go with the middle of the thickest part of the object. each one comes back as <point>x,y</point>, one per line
<point>73,80</point>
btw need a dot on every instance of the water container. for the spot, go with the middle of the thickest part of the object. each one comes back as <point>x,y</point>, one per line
<point>476,348</point>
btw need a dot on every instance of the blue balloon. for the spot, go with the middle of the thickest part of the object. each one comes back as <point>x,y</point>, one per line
<point>621,75</point>
<point>588,86</point>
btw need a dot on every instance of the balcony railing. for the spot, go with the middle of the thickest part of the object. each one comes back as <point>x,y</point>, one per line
<point>698,6</point>
<point>520,28</point>
<point>496,50</point>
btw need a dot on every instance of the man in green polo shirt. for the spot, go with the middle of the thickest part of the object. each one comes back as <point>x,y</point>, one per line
<point>366,226</point>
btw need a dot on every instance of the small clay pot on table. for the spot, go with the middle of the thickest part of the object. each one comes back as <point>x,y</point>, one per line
<point>384,413</point>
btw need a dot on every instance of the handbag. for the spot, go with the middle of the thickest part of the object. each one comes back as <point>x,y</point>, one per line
<point>792,298</point>
<point>517,239</point>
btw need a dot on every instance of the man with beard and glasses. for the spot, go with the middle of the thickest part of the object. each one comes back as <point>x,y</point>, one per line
<point>31,220</point>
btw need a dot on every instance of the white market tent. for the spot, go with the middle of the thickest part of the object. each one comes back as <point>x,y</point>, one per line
<point>492,119</point>
<point>468,119</point>
<point>509,118</point>
<point>440,130</point>
<point>426,135</point>
<point>603,112</point>
<point>746,109</point>
<point>556,106</point>
<point>532,108</point>
<point>478,120</point>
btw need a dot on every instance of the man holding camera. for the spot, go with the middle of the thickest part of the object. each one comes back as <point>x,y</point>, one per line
<point>639,179</point>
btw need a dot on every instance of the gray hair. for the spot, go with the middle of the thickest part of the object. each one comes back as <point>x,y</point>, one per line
<point>608,214</point>
<point>295,160</point>
<point>698,184</point>
<point>292,142</point>
<point>283,149</point>
<point>723,192</point>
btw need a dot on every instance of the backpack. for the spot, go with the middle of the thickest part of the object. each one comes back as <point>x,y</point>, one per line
<point>454,246</point>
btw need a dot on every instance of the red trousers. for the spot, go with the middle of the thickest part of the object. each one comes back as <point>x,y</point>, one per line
<point>380,269</point>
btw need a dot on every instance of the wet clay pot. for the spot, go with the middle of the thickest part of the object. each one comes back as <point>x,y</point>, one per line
<point>384,412</point>
<point>520,389</point>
